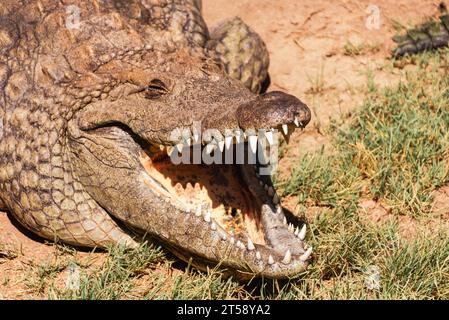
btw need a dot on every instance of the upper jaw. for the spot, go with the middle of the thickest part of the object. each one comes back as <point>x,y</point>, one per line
<point>273,110</point>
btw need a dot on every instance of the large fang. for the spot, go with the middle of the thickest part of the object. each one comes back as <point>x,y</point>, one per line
<point>228,141</point>
<point>296,231</point>
<point>288,257</point>
<point>237,137</point>
<point>297,122</point>
<point>306,255</point>
<point>210,148</point>
<point>270,259</point>
<point>221,144</point>
<point>269,136</point>
<point>250,245</point>
<point>285,129</point>
<point>170,151</point>
<point>253,143</point>
<point>302,233</point>
<point>196,137</point>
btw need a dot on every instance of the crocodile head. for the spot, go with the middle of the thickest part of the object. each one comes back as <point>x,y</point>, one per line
<point>208,214</point>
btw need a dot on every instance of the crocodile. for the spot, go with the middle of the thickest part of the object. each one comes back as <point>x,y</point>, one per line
<point>90,95</point>
<point>432,34</point>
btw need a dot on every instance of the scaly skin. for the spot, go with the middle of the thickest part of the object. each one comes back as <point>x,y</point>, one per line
<point>81,107</point>
<point>430,35</point>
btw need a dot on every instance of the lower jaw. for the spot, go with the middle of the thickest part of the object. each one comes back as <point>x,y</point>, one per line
<point>238,200</point>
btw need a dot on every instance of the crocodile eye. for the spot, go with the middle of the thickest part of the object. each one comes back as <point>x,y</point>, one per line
<point>156,89</point>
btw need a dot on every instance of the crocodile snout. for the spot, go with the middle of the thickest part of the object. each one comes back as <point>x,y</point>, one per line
<point>273,109</point>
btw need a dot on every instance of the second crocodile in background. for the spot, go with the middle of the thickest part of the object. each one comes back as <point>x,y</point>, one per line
<point>90,93</point>
<point>432,34</point>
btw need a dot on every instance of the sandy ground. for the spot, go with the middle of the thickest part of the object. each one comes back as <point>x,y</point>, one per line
<point>306,40</point>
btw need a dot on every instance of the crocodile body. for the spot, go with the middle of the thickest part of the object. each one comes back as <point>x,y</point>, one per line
<point>89,94</point>
<point>432,34</point>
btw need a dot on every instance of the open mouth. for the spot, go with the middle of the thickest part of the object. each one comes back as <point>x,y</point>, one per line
<point>205,212</point>
<point>234,200</point>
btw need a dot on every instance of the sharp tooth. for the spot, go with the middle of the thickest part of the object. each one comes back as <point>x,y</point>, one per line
<point>266,187</point>
<point>196,137</point>
<point>250,245</point>
<point>275,199</point>
<point>179,147</point>
<point>210,148</point>
<point>285,129</point>
<point>297,122</point>
<point>290,227</point>
<point>232,240</point>
<point>258,255</point>
<point>228,141</point>
<point>269,136</point>
<point>238,136</point>
<point>239,244</point>
<point>207,216</point>
<point>306,255</point>
<point>189,142</point>
<point>221,144</point>
<point>270,259</point>
<point>213,226</point>
<point>170,151</point>
<point>270,191</point>
<point>253,143</point>
<point>279,209</point>
<point>296,231</point>
<point>288,257</point>
<point>224,238</point>
<point>285,220</point>
<point>198,211</point>
<point>302,233</point>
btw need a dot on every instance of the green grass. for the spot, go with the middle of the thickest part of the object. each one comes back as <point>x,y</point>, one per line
<point>395,151</point>
<point>351,49</point>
